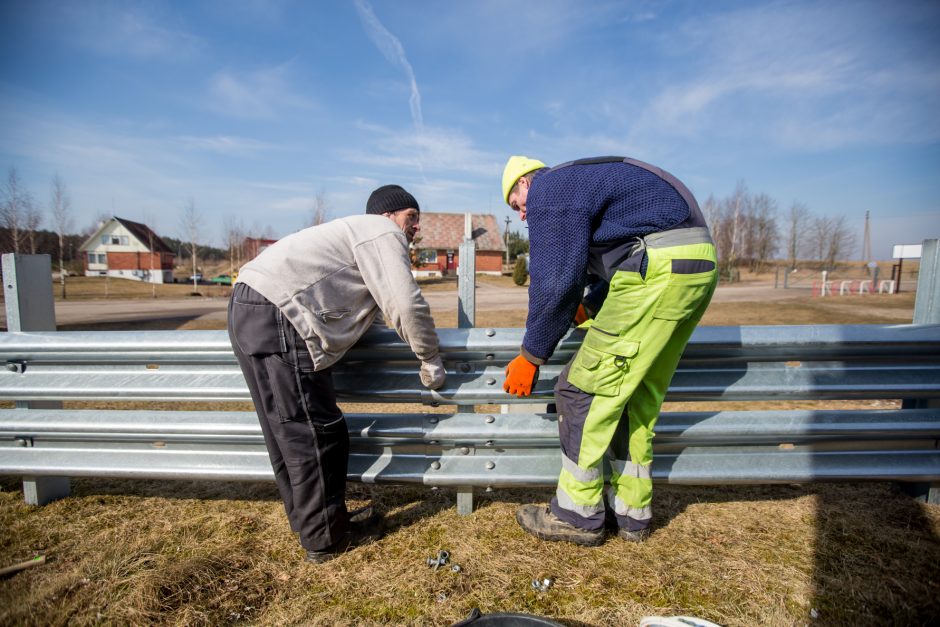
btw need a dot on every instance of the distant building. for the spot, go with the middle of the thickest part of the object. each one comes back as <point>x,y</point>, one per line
<point>441,235</point>
<point>253,246</point>
<point>128,250</point>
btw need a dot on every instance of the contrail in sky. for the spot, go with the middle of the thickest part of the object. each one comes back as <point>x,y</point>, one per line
<point>389,46</point>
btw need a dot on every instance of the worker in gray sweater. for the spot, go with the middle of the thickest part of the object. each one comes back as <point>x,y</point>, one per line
<point>295,311</point>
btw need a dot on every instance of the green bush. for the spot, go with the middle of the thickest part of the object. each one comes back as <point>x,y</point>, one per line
<point>520,272</point>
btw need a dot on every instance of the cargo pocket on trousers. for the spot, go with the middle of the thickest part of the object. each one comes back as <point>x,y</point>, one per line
<point>602,363</point>
<point>691,281</point>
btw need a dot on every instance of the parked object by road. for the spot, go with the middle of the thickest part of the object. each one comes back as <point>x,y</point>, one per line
<point>635,234</point>
<point>294,312</point>
<point>221,279</point>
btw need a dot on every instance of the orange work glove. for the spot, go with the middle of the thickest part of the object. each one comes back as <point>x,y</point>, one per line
<point>521,375</point>
<point>581,316</point>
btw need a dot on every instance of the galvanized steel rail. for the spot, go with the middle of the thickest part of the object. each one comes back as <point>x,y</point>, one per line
<point>44,443</point>
<point>476,449</point>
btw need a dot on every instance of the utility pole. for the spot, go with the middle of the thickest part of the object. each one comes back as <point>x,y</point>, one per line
<point>866,244</point>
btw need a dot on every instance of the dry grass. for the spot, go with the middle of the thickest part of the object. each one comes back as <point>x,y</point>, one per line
<point>146,552</point>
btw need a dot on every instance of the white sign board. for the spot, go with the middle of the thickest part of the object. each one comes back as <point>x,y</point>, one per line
<point>907,251</point>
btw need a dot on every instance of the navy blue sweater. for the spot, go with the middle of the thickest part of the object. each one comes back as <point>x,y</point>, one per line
<point>571,208</point>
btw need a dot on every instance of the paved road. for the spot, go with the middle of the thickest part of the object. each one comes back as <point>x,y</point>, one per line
<point>488,297</point>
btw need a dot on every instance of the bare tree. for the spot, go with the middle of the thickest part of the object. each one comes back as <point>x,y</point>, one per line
<point>33,222</point>
<point>319,210</point>
<point>16,205</point>
<point>840,243</point>
<point>234,237</point>
<point>61,206</point>
<point>762,231</point>
<point>151,224</point>
<point>797,223</point>
<point>820,230</point>
<point>730,230</point>
<point>191,223</point>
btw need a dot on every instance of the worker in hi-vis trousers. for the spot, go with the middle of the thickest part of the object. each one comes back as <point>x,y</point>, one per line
<point>634,234</point>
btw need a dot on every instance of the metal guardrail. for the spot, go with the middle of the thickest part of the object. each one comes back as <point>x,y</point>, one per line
<point>492,450</point>
<point>44,443</point>
<point>475,449</point>
<point>720,363</point>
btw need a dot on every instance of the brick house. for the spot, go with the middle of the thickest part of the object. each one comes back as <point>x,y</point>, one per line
<point>252,246</point>
<point>128,250</point>
<point>441,235</point>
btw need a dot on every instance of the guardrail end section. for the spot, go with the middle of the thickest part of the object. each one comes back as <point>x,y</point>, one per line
<point>43,490</point>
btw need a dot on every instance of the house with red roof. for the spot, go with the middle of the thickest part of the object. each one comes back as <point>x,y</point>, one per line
<point>128,250</point>
<point>438,248</point>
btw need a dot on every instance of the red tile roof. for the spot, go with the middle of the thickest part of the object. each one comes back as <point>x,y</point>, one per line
<point>446,231</point>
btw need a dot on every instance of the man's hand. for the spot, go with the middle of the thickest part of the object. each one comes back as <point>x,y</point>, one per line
<point>432,373</point>
<point>521,375</point>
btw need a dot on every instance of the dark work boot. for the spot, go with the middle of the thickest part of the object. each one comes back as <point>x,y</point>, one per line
<point>365,526</point>
<point>610,522</point>
<point>543,524</point>
<point>634,536</point>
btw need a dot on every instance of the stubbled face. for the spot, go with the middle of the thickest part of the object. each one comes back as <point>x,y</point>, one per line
<point>518,197</point>
<point>407,220</point>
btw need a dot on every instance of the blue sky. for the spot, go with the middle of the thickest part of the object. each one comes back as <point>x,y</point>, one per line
<point>252,108</point>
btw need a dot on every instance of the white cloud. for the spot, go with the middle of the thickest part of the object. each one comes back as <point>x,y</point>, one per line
<point>225,144</point>
<point>255,94</point>
<point>808,75</point>
<point>127,29</point>
<point>437,149</point>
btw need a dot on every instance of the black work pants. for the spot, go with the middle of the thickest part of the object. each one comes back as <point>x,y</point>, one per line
<point>304,430</point>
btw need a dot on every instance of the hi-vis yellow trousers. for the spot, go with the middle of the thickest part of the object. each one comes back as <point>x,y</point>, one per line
<point>609,395</point>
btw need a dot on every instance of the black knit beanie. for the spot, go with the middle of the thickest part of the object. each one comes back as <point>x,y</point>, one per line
<point>389,199</point>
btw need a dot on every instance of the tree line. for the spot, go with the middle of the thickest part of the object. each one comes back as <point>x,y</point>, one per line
<point>750,232</point>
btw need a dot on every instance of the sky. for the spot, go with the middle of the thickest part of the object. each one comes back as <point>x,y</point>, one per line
<point>252,109</point>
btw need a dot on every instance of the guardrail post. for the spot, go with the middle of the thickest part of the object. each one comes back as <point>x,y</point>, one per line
<point>466,319</point>
<point>30,306</point>
<point>927,311</point>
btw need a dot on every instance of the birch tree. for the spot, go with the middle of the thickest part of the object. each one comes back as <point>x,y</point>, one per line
<point>233,235</point>
<point>61,207</point>
<point>16,201</point>
<point>191,223</point>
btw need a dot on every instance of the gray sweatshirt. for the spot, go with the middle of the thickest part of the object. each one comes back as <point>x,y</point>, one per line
<point>331,281</point>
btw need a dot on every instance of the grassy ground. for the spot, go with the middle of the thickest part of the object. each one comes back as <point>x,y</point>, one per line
<point>145,552</point>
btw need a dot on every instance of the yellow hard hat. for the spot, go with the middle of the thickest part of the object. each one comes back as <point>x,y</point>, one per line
<point>516,167</point>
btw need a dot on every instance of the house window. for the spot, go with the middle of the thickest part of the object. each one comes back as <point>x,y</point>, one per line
<point>105,239</point>
<point>427,256</point>
<point>97,258</point>
<point>115,240</point>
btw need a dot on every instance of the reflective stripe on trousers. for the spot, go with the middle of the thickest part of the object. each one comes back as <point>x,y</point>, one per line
<point>610,394</point>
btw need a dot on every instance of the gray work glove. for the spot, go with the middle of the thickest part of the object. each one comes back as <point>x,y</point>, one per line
<point>432,373</point>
